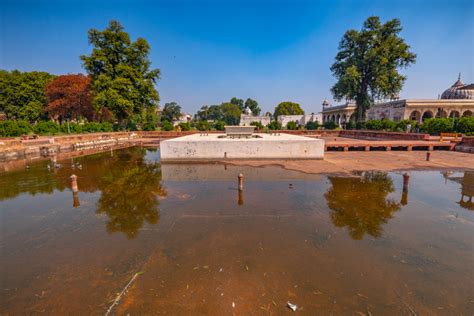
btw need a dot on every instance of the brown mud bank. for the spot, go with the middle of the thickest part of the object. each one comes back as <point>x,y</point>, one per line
<point>345,163</point>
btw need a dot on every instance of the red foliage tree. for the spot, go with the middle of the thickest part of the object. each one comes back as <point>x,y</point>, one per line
<point>69,97</point>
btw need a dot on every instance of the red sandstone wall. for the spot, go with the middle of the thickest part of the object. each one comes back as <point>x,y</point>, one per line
<point>383,135</point>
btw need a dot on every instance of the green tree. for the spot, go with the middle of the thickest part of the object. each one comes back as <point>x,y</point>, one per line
<point>166,126</point>
<point>238,102</point>
<point>122,80</point>
<point>292,125</point>
<point>203,125</point>
<point>231,113</point>
<point>22,94</point>
<point>171,112</point>
<point>219,125</point>
<point>274,125</point>
<point>311,125</point>
<point>287,108</point>
<point>213,112</point>
<point>366,66</point>
<point>253,105</point>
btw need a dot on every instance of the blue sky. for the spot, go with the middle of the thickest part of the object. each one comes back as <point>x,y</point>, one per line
<point>271,51</point>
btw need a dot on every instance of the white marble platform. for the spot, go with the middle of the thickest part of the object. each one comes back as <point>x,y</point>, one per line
<point>211,147</point>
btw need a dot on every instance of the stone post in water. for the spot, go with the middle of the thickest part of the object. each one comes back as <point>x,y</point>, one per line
<point>75,190</point>
<point>406,179</point>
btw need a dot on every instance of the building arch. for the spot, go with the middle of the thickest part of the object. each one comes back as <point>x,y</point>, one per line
<point>338,119</point>
<point>333,118</point>
<point>467,113</point>
<point>441,113</point>
<point>427,115</point>
<point>352,117</point>
<point>343,118</point>
<point>415,116</point>
<point>454,114</point>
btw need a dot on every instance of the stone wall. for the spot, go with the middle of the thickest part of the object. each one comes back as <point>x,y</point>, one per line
<point>300,119</point>
<point>246,120</point>
<point>383,135</point>
<point>394,112</point>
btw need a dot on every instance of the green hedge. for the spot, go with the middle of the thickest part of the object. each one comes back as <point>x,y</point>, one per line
<point>19,128</point>
<point>433,126</point>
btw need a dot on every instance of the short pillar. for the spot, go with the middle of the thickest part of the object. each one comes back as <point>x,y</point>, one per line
<point>346,148</point>
<point>75,199</point>
<point>430,148</point>
<point>388,148</point>
<point>404,200</point>
<point>74,183</point>
<point>406,179</point>
<point>409,148</point>
<point>75,190</point>
<point>240,200</point>
<point>367,148</point>
<point>241,182</point>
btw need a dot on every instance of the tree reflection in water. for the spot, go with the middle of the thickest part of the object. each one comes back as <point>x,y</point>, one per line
<point>129,193</point>
<point>361,203</point>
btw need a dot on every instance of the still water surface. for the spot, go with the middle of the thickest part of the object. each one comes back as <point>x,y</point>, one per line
<point>188,243</point>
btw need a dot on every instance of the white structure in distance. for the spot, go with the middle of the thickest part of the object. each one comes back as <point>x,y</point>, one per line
<point>247,118</point>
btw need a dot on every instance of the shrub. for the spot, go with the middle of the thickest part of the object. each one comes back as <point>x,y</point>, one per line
<point>350,125</point>
<point>131,125</point>
<point>166,126</point>
<point>292,125</point>
<point>14,128</point>
<point>330,125</point>
<point>46,128</point>
<point>274,125</point>
<point>258,125</point>
<point>311,125</point>
<point>219,125</point>
<point>465,125</point>
<point>435,126</point>
<point>401,126</point>
<point>380,125</point>
<point>203,125</point>
<point>361,125</point>
<point>185,126</point>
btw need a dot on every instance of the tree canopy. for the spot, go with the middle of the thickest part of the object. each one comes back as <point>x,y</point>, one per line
<point>171,112</point>
<point>22,94</point>
<point>69,97</point>
<point>122,80</point>
<point>366,66</point>
<point>230,113</point>
<point>288,108</point>
<point>253,105</point>
<point>213,112</point>
<point>238,102</point>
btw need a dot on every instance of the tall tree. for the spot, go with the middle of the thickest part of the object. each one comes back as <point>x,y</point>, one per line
<point>287,108</point>
<point>122,80</point>
<point>253,105</point>
<point>238,102</point>
<point>231,113</point>
<point>171,112</point>
<point>69,97</point>
<point>213,112</point>
<point>368,61</point>
<point>22,94</point>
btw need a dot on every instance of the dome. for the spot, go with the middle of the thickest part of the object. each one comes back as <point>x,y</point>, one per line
<point>325,103</point>
<point>248,111</point>
<point>459,91</point>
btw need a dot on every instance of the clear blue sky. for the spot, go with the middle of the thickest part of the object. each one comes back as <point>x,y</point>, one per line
<point>271,51</point>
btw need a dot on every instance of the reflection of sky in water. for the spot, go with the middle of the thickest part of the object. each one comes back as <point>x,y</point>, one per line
<point>338,236</point>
